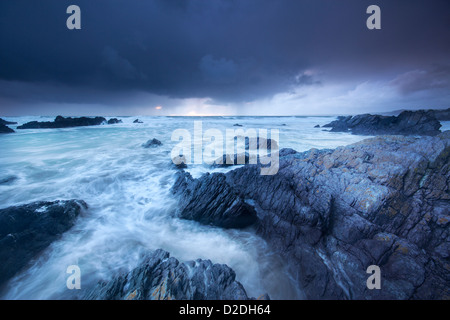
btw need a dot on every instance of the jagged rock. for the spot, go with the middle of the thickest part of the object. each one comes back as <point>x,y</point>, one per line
<point>332,213</point>
<point>28,229</point>
<point>317,126</point>
<point>210,200</point>
<point>2,121</point>
<point>5,129</point>
<point>61,122</point>
<point>161,277</point>
<point>153,143</point>
<point>137,121</point>
<point>406,123</point>
<point>114,121</point>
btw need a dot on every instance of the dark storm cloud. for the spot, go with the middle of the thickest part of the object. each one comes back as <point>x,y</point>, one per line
<point>230,51</point>
<point>420,80</point>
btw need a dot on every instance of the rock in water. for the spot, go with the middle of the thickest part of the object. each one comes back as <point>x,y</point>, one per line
<point>137,121</point>
<point>28,229</point>
<point>114,121</point>
<point>61,122</point>
<point>179,162</point>
<point>2,121</point>
<point>419,122</point>
<point>442,115</point>
<point>5,129</point>
<point>211,200</point>
<point>161,277</point>
<point>332,213</point>
<point>153,143</point>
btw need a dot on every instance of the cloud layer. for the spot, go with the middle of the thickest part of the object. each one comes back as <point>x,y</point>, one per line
<point>287,56</point>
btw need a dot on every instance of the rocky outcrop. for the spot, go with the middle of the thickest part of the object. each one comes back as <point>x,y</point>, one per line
<point>332,213</point>
<point>28,229</point>
<point>4,122</point>
<point>442,115</point>
<point>210,200</point>
<point>5,129</point>
<point>61,122</point>
<point>153,143</point>
<point>114,121</point>
<point>406,123</point>
<point>137,121</point>
<point>161,277</point>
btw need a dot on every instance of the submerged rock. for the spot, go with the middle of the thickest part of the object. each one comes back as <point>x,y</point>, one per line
<point>332,213</point>
<point>114,121</point>
<point>28,229</point>
<point>153,143</point>
<point>5,129</point>
<point>137,121</point>
<point>442,115</point>
<point>419,122</point>
<point>61,122</point>
<point>161,277</point>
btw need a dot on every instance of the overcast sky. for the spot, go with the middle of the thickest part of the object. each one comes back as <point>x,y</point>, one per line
<point>217,57</point>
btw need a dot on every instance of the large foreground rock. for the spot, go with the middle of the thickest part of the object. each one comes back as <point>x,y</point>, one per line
<point>161,277</point>
<point>28,229</point>
<point>419,122</point>
<point>61,122</point>
<point>332,213</point>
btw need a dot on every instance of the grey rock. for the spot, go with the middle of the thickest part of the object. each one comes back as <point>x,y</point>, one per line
<point>5,129</point>
<point>211,200</point>
<point>114,121</point>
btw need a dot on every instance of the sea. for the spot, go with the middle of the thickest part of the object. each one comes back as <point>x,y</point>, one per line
<point>131,209</point>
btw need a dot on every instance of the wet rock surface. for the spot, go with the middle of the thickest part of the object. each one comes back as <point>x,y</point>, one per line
<point>61,122</point>
<point>152,143</point>
<point>332,213</point>
<point>161,277</point>
<point>28,229</point>
<point>419,122</point>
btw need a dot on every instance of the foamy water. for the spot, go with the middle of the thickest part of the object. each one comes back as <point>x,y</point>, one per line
<point>131,210</point>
